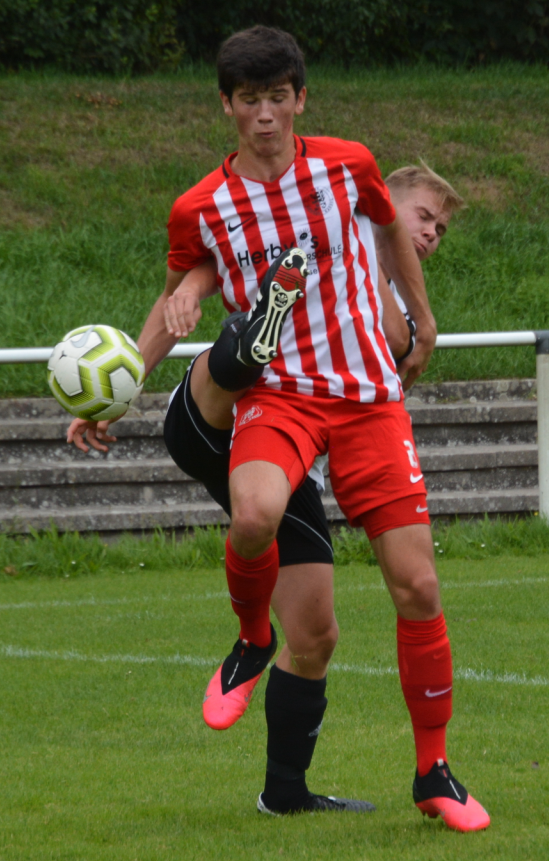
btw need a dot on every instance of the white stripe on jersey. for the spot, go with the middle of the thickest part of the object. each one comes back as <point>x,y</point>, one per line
<point>367,238</point>
<point>209,240</point>
<point>315,310</point>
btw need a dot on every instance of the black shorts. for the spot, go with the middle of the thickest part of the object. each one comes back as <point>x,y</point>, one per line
<point>203,452</point>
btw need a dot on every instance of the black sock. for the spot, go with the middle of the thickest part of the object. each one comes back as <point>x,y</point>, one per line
<point>226,370</point>
<point>294,708</point>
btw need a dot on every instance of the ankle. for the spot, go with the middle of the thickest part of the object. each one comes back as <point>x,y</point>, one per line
<point>285,787</point>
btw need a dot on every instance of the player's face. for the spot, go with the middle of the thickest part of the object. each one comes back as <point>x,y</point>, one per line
<point>425,217</point>
<point>264,118</point>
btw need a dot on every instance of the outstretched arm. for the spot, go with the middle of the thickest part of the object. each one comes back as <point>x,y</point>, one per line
<point>155,341</point>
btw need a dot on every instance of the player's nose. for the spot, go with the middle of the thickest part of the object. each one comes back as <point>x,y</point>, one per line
<point>265,112</point>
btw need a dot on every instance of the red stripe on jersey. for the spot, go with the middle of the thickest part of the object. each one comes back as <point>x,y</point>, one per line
<point>381,390</point>
<point>327,288</point>
<point>250,229</point>
<point>371,362</point>
<point>218,228</point>
<point>254,240</point>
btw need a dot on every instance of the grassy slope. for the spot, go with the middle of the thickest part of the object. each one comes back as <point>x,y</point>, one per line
<point>109,759</point>
<point>89,169</point>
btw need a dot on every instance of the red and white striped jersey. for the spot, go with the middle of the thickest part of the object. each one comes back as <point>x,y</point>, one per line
<point>332,343</point>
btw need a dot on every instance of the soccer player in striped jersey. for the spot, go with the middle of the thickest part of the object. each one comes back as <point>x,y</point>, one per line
<point>332,387</point>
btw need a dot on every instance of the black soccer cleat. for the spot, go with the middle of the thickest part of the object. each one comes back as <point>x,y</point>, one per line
<point>230,690</point>
<point>320,804</point>
<point>438,793</point>
<point>280,289</point>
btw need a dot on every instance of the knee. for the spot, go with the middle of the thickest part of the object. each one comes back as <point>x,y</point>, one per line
<point>253,523</point>
<point>418,596</point>
<point>315,645</point>
<point>326,640</point>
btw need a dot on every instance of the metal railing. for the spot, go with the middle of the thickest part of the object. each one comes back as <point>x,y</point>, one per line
<point>537,339</point>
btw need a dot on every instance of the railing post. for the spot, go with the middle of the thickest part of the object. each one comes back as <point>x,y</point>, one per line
<point>542,375</point>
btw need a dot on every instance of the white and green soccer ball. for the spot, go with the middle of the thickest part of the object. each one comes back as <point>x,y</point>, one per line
<point>96,372</point>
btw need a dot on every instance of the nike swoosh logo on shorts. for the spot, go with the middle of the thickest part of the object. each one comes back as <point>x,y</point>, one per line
<point>233,227</point>
<point>415,478</point>
<point>420,510</point>
<point>429,693</point>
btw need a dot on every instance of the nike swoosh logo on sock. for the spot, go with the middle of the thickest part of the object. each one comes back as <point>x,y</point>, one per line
<point>429,693</point>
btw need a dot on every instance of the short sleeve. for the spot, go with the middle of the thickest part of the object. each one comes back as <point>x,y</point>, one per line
<point>374,199</point>
<point>187,248</point>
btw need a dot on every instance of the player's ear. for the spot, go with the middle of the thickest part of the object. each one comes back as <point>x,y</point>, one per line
<point>300,103</point>
<point>226,102</point>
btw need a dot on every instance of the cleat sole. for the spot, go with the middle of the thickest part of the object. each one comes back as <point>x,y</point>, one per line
<point>283,292</point>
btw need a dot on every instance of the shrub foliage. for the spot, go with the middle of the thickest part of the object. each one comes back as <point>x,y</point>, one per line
<point>142,35</point>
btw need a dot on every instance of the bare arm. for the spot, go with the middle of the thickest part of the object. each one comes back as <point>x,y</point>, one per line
<point>176,312</point>
<point>394,325</point>
<point>155,340</point>
<point>399,259</point>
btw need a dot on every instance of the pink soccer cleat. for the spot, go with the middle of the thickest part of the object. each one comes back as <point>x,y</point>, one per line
<point>229,692</point>
<point>438,793</point>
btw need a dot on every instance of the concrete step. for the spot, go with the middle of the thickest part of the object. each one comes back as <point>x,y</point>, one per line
<point>430,393</point>
<point>477,449</point>
<point>113,518</point>
<point>477,467</point>
<point>466,503</point>
<point>95,482</point>
<point>24,440</point>
<point>147,517</point>
<point>503,422</point>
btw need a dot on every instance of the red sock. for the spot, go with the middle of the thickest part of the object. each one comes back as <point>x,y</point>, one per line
<point>251,583</point>
<point>425,666</point>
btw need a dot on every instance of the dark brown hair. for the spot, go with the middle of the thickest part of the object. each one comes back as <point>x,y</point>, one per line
<point>261,57</point>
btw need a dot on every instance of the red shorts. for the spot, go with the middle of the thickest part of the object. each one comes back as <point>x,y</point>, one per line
<point>373,459</point>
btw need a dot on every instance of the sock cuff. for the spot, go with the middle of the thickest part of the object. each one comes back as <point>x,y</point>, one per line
<point>251,566</point>
<point>298,690</point>
<point>413,633</point>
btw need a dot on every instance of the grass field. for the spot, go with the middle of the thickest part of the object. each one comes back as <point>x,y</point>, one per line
<point>89,168</point>
<point>105,756</point>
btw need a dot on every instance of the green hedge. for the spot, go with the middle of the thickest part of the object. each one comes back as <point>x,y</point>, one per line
<point>107,35</point>
<point>379,31</point>
<point>141,35</point>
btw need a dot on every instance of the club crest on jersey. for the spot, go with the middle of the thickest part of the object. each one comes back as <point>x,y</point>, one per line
<point>320,200</point>
<point>252,413</point>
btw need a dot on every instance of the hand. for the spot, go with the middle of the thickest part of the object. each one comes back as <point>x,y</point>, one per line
<point>412,367</point>
<point>182,313</point>
<point>81,429</point>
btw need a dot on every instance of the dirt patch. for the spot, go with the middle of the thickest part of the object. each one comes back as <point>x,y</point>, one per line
<point>13,214</point>
<point>492,191</point>
<point>535,147</point>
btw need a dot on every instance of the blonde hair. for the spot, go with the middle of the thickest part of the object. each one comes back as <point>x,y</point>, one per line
<point>413,176</point>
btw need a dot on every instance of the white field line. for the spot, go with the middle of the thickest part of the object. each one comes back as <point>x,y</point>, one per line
<point>480,584</point>
<point>466,674</point>
<point>72,655</point>
<point>209,596</point>
<point>110,602</point>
